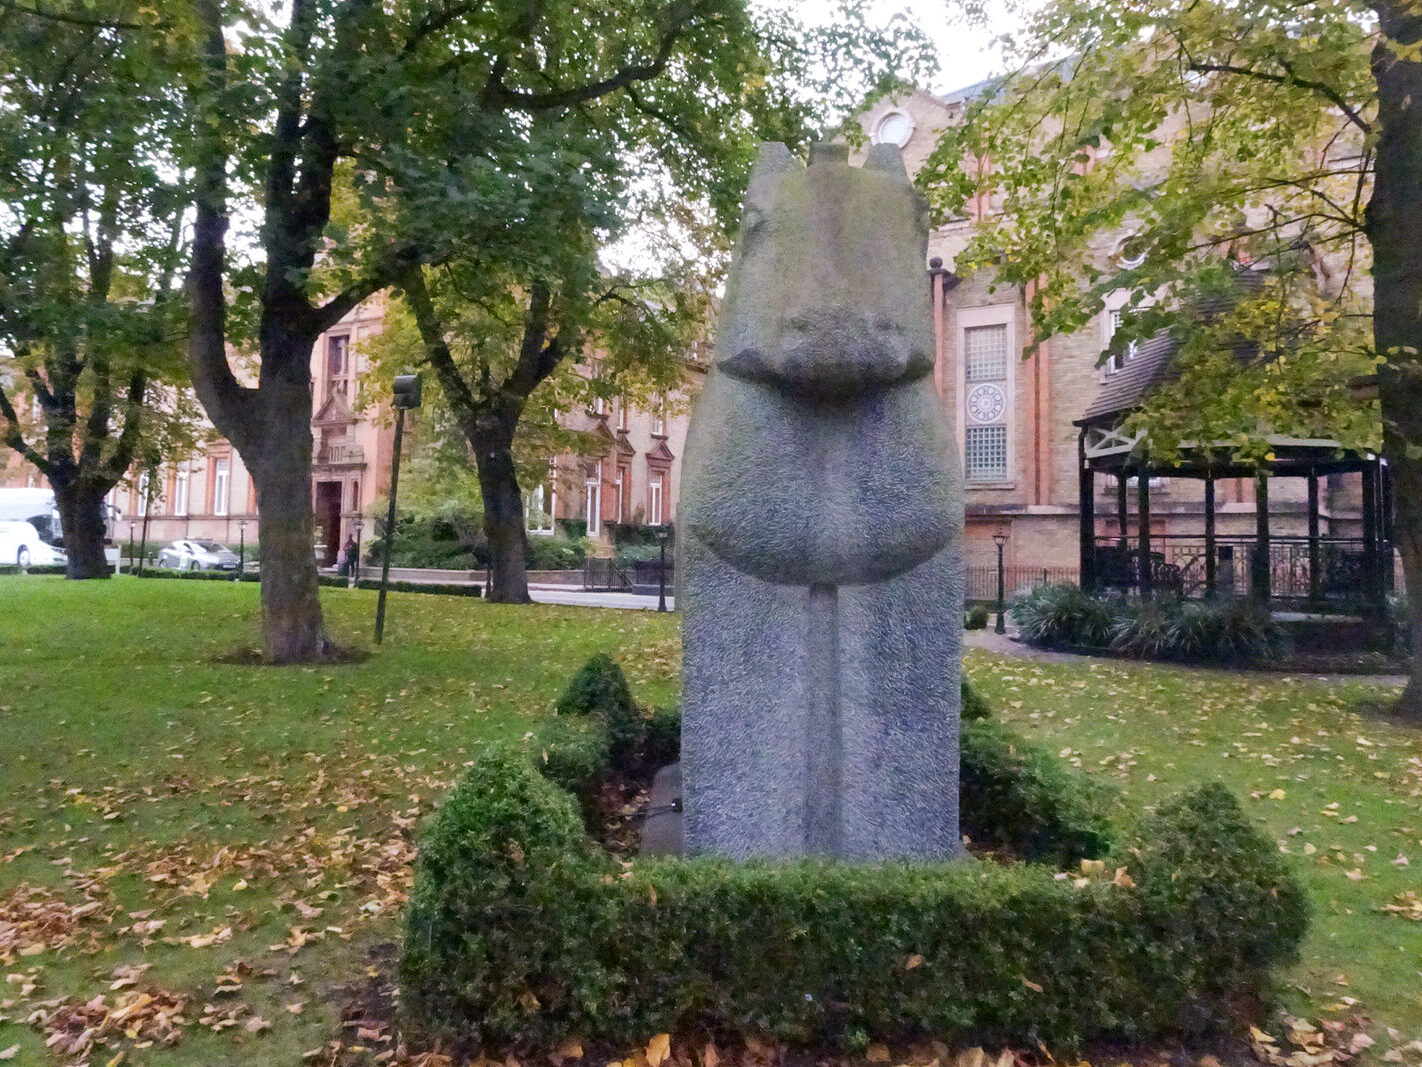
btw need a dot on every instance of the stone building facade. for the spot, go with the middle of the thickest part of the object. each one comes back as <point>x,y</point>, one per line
<point>1014,406</point>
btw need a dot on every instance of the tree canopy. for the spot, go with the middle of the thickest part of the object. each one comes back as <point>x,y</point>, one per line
<point>91,249</point>
<point>1220,139</point>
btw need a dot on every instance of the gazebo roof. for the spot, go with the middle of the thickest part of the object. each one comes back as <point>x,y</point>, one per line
<point>1153,363</point>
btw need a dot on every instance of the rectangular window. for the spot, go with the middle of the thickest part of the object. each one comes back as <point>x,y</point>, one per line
<point>987,357</point>
<point>538,509</point>
<point>143,486</point>
<point>985,353</point>
<point>622,414</point>
<point>1120,359</point>
<point>659,419</point>
<point>592,499</point>
<point>180,489</point>
<point>654,499</point>
<point>338,363</point>
<point>623,484</point>
<point>985,453</point>
<point>221,484</point>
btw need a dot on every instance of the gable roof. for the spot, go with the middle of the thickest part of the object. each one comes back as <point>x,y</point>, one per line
<point>1153,363</point>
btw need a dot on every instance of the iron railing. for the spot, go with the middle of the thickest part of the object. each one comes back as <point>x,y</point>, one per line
<point>605,576</point>
<point>981,581</point>
<point>1328,572</point>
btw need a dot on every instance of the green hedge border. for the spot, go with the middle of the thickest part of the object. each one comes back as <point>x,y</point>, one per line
<point>326,580</point>
<point>522,932</point>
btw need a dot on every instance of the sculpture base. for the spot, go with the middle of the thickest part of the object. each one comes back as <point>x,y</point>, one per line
<point>661,830</point>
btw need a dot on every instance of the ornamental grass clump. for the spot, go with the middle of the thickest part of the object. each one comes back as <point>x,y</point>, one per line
<point>1063,615</point>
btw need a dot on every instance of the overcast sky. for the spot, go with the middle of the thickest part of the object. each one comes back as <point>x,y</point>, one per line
<point>966,53</point>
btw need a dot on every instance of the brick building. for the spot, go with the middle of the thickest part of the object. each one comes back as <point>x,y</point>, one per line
<point>210,495</point>
<point>1015,407</point>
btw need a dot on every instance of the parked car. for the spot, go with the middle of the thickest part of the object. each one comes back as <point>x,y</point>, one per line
<point>198,556</point>
<point>21,545</point>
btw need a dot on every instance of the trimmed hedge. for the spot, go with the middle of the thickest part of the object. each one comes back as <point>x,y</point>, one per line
<point>152,571</point>
<point>598,729</point>
<point>1018,797</point>
<point>976,617</point>
<point>41,568</point>
<point>973,705</point>
<point>521,932</point>
<point>330,581</point>
<point>438,588</point>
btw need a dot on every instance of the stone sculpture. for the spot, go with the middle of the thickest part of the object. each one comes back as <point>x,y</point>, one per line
<point>820,533</point>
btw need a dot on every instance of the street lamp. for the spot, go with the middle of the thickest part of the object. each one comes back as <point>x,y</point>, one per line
<point>405,397</point>
<point>131,526</point>
<point>1000,539</point>
<point>357,524</point>
<point>241,549</point>
<point>663,533</point>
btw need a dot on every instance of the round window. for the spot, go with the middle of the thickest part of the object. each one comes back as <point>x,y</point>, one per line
<point>1132,252</point>
<point>894,128</point>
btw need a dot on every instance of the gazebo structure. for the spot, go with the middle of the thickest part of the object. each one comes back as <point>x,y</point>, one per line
<point>1315,573</point>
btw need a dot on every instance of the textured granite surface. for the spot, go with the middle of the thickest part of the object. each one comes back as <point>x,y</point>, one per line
<point>820,534</point>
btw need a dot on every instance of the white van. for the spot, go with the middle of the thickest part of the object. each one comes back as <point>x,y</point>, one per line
<point>20,545</point>
<point>37,507</point>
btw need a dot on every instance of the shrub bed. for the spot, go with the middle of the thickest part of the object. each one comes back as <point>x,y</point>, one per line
<point>1226,632</point>
<point>152,571</point>
<point>521,931</point>
<point>330,581</point>
<point>43,568</point>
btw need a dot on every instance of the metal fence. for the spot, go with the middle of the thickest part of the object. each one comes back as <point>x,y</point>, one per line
<point>1327,572</point>
<point>982,579</point>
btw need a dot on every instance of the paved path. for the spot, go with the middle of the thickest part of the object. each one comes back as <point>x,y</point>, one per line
<point>552,594</point>
<point>1003,644</point>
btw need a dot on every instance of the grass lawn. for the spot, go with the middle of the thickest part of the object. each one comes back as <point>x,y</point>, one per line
<point>238,838</point>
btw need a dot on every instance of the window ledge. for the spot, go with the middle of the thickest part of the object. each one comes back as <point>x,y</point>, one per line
<point>990,485</point>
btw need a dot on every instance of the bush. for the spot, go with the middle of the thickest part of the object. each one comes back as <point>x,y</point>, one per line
<point>976,617</point>
<point>520,932</point>
<point>973,705</point>
<point>1017,797</point>
<point>395,586</point>
<point>41,568</point>
<point>1063,614</point>
<point>599,689</point>
<point>150,570</point>
<point>556,553</point>
<point>1200,856</point>
<point>663,741</point>
<point>1226,632</point>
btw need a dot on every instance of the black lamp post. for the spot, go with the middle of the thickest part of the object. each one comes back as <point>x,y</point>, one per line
<point>406,397</point>
<point>241,549</point>
<point>131,527</point>
<point>1000,539</point>
<point>357,524</point>
<point>663,536</point>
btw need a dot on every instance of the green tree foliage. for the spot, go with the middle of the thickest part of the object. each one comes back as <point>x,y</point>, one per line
<point>1224,138</point>
<point>372,141</point>
<point>527,304</point>
<point>90,248</point>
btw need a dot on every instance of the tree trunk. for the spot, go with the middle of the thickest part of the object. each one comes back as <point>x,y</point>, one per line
<point>81,514</point>
<point>503,517</point>
<point>1394,228</point>
<point>280,462</point>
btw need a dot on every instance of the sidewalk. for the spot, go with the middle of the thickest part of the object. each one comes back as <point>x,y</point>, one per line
<point>1005,645</point>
